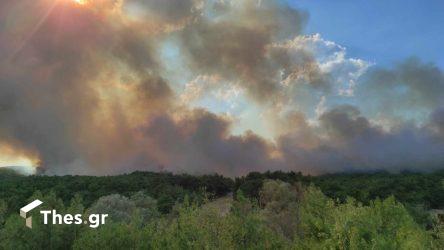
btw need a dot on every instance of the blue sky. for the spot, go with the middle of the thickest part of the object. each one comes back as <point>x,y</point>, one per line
<point>380,31</point>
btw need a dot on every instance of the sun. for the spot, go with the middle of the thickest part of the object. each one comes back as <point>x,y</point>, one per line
<point>80,2</point>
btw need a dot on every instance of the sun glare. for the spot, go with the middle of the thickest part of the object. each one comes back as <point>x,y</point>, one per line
<point>81,2</point>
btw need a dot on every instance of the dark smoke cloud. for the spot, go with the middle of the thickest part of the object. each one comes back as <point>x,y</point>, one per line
<point>50,92</point>
<point>437,122</point>
<point>237,45</point>
<point>412,87</point>
<point>85,90</point>
<point>170,11</point>
<point>201,142</point>
<point>343,123</point>
<point>349,141</point>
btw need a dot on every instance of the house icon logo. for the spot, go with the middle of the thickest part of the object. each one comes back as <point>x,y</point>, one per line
<point>26,209</point>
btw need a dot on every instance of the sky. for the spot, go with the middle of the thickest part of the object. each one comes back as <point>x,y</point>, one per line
<point>104,87</point>
<point>380,31</point>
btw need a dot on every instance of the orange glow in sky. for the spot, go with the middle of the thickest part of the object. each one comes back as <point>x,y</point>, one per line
<point>81,2</point>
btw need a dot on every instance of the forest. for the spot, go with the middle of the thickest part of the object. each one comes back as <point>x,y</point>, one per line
<point>271,210</point>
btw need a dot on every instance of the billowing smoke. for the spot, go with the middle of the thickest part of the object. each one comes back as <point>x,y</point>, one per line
<point>349,141</point>
<point>109,86</point>
<point>411,90</point>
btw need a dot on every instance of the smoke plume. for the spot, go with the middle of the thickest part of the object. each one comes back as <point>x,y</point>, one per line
<point>111,86</point>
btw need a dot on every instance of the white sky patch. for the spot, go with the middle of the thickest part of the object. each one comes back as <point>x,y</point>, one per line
<point>174,65</point>
<point>225,98</point>
<point>253,118</point>
<point>213,87</point>
<point>195,89</point>
<point>320,108</point>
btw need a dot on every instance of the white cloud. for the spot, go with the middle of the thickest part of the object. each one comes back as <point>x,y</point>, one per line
<point>331,58</point>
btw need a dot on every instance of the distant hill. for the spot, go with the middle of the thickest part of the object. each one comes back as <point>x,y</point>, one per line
<point>9,172</point>
<point>19,169</point>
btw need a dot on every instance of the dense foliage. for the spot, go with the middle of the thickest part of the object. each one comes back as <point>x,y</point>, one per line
<point>269,211</point>
<point>425,189</point>
<point>165,187</point>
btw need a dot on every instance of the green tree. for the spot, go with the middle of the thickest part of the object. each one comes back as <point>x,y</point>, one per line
<point>3,210</point>
<point>146,207</point>
<point>15,235</point>
<point>114,236</point>
<point>118,207</point>
<point>281,206</point>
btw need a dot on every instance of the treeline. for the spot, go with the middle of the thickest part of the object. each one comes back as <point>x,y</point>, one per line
<point>411,189</point>
<point>425,189</point>
<point>284,216</point>
<point>166,188</point>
